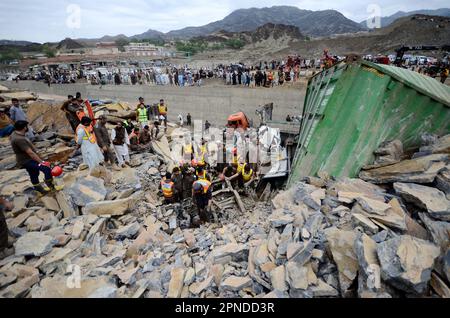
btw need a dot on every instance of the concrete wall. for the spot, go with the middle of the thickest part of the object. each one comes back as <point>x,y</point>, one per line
<point>212,103</point>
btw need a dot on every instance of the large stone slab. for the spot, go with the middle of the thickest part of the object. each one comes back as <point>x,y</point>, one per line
<point>87,190</point>
<point>406,262</point>
<point>237,252</point>
<point>176,282</point>
<point>235,283</point>
<point>419,170</point>
<point>34,244</point>
<point>114,208</point>
<point>427,198</point>
<point>341,246</point>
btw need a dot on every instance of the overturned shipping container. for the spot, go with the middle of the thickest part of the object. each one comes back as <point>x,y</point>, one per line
<point>350,109</point>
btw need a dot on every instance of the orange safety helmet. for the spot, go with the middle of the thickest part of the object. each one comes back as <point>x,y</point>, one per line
<point>57,171</point>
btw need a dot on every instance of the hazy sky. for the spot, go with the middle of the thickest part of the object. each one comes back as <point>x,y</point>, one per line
<point>54,20</point>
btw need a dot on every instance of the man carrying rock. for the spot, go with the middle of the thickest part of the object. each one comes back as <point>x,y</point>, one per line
<point>104,142</point>
<point>27,158</point>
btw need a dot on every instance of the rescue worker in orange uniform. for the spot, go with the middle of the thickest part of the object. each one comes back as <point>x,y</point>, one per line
<point>201,174</point>
<point>168,188</point>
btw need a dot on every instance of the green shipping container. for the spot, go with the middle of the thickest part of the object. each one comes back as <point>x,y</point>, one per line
<point>350,109</point>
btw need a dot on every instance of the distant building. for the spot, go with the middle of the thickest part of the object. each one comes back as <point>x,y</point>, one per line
<point>104,48</point>
<point>142,49</point>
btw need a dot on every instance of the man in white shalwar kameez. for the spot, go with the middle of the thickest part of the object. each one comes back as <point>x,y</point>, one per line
<point>120,139</point>
<point>92,155</point>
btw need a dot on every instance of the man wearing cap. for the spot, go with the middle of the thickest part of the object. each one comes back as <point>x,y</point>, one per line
<point>104,142</point>
<point>6,124</point>
<point>202,198</point>
<point>27,158</point>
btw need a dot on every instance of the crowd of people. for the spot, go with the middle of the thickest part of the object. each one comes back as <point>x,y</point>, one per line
<point>267,74</point>
<point>264,74</point>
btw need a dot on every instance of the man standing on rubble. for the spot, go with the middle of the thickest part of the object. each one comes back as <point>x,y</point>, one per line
<point>188,181</point>
<point>120,140</point>
<point>92,155</point>
<point>162,109</point>
<point>27,158</point>
<point>202,198</point>
<point>104,142</point>
<point>177,179</point>
<point>189,119</point>
<point>134,140</point>
<point>187,151</point>
<point>141,113</point>
<point>71,107</point>
<point>167,187</point>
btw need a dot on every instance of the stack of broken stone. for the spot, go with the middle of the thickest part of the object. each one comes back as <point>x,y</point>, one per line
<point>384,235</point>
<point>352,238</point>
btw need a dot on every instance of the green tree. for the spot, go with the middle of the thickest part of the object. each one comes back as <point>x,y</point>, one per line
<point>235,43</point>
<point>121,43</point>
<point>10,54</point>
<point>48,51</point>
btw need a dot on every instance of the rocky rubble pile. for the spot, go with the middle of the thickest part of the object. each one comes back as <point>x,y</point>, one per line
<point>108,235</point>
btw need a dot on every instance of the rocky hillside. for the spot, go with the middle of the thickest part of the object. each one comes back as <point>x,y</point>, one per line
<point>385,21</point>
<point>312,23</point>
<point>69,44</point>
<point>265,32</point>
<point>414,30</point>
